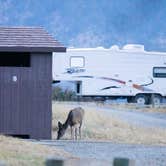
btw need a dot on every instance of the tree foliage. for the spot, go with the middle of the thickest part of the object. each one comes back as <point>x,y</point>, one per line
<point>63,95</point>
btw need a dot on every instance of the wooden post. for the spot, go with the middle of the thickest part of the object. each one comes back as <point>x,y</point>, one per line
<point>54,162</point>
<point>123,162</point>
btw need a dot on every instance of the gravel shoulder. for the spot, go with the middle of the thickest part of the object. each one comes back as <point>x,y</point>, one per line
<point>107,151</point>
<point>141,119</point>
<point>151,126</point>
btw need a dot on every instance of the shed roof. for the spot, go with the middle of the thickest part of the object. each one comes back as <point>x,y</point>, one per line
<point>30,39</point>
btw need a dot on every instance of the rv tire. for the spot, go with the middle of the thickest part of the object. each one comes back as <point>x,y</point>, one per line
<point>141,99</point>
<point>156,99</point>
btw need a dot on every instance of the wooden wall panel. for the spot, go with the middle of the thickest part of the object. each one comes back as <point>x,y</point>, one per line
<point>25,105</point>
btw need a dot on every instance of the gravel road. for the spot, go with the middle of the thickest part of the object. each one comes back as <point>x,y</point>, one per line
<point>102,153</point>
<point>141,119</point>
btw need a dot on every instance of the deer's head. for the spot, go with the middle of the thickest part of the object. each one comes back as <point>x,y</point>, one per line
<point>61,130</point>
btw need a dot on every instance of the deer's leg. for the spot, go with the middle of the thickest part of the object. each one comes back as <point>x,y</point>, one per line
<point>71,132</point>
<point>76,132</point>
<point>80,130</point>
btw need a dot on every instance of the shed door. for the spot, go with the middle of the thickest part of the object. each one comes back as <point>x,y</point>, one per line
<point>12,70</point>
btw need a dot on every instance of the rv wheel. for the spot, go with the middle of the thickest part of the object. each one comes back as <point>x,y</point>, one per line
<point>156,99</point>
<point>141,99</point>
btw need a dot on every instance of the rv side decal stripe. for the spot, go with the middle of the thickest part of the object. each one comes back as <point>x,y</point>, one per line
<point>140,87</point>
<point>84,76</point>
<point>112,79</point>
<point>110,87</point>
<point>136,86</point>
<point>148,83</point>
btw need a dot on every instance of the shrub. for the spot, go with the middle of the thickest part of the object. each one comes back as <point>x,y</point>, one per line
<point>63,95</point>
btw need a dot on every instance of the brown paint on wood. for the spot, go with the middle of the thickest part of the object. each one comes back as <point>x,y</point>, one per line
<point>25,105</point>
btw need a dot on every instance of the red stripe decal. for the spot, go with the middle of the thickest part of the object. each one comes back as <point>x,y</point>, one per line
<point>111,79</point>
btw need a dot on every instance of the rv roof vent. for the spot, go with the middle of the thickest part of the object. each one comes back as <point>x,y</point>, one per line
<point>114,47</point>
<point>133,47</point>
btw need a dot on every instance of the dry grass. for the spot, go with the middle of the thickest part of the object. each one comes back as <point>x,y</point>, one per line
<point>122,106</point>
<point>135,107</point>
<point>97,126</point>
<point>16,152</point>
<point>100,126</point>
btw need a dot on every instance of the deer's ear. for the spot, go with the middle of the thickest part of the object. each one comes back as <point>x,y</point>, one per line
<point>59,124</point>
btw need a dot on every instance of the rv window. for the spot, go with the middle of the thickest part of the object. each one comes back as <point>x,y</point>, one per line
<point>159,72</point>
<point>77,61</point>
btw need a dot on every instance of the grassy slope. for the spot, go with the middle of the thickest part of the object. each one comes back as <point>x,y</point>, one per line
<point>100,126</point>
<point>16,152</point>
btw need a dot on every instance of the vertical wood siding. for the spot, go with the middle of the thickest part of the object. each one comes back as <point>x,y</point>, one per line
<point>25,105</point>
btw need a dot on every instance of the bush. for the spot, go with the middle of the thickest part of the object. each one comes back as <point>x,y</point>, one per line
<point>59,95</point>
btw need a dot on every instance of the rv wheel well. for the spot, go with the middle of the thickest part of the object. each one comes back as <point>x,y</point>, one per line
<point>148,97</point>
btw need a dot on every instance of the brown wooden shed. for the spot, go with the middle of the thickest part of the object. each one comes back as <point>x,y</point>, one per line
<point>25,81</point>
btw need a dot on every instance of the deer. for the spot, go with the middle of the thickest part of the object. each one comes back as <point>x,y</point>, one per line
<point>74,120</point>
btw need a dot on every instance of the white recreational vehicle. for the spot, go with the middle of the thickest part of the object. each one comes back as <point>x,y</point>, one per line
<point>129,72</point>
